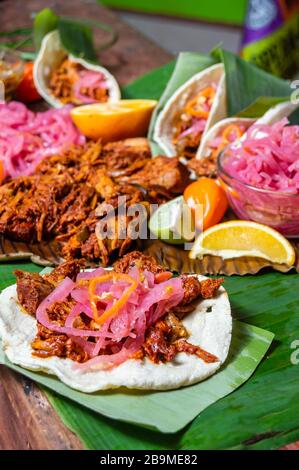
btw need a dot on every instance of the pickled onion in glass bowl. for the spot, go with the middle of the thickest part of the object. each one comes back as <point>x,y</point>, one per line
<point>260,175</point>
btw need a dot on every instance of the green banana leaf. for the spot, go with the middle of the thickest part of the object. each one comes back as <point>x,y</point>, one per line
<point>76,35</point>
<point>245,82</point>
<point>44,22</point>
<point>262,414</point>
<point>77,39</point>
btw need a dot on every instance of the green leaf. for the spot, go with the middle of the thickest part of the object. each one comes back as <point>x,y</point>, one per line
<point>77,39</point>
<point>263,413</point>
<point>104,27</point>
<point>16,32</point>
<point>187,65</point>
<point>245,82</point>
<point>44,22</point>
<point>28,55</point>
<point>154,410</point>
<point>149,86</point>
<point>25,33</point>
<point>260,106</point>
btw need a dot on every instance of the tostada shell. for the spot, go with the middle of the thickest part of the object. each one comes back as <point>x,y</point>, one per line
<point>50,56</point>
<point>209,325</point>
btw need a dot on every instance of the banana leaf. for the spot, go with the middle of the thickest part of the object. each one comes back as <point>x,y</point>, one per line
<point>262,414</point>
<point>44,22</point>
<point>245,82</point>
<point>76,35</point>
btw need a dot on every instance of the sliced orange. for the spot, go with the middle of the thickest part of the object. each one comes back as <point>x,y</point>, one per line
<point>114,121</point>
<point>244,238</point>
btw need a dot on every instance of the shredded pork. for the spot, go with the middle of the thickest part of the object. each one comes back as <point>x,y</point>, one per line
<point>162,341</point>
<point>69,195</point>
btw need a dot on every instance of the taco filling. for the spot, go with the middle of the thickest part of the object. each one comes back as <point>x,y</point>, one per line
<point>207,166</point>
<point>72,83</point>
<point>102,318</point>
<point>191,123</point>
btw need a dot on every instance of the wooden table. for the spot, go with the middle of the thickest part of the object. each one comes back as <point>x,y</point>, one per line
<point>24,409</point>
<point>27,420</point>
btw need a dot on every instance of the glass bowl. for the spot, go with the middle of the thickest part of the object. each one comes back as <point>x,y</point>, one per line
<point>276,209</point>
<point>11,70</point>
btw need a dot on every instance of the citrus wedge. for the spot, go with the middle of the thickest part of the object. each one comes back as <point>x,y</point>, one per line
<point>244,238</point>
<point>173,222</point>
<point>114,121</point>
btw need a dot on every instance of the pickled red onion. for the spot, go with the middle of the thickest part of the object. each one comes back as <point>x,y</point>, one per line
<point>197,126</point>
<point>60,294</point>
<point>90,81</point>
<point>268,157</point>
<point>26,138</point>
<point>123,334</point>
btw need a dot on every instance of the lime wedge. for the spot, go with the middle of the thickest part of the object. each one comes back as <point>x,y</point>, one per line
<point>173,222</point>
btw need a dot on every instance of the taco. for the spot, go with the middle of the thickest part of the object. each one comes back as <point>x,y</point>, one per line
<point>63,79</point>
<point>190,112</point>
<point>216,139</point>
<point>135,326</point>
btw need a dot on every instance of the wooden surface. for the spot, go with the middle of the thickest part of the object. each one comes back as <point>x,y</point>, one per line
<point>133,55</point>
<point>27,420</point>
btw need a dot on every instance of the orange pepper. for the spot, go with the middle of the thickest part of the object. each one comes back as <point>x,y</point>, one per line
<point>225,138</point>
<point>228,130</point>
<point>208,193</point>
<point>194,106</point>
<point>161,277</point>
<point>26,91</point>
<point>112,311</point>
<point>2,172</point>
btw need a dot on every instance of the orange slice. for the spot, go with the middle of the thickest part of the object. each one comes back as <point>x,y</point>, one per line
<point>114,121</point>
<point>244,238</point>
